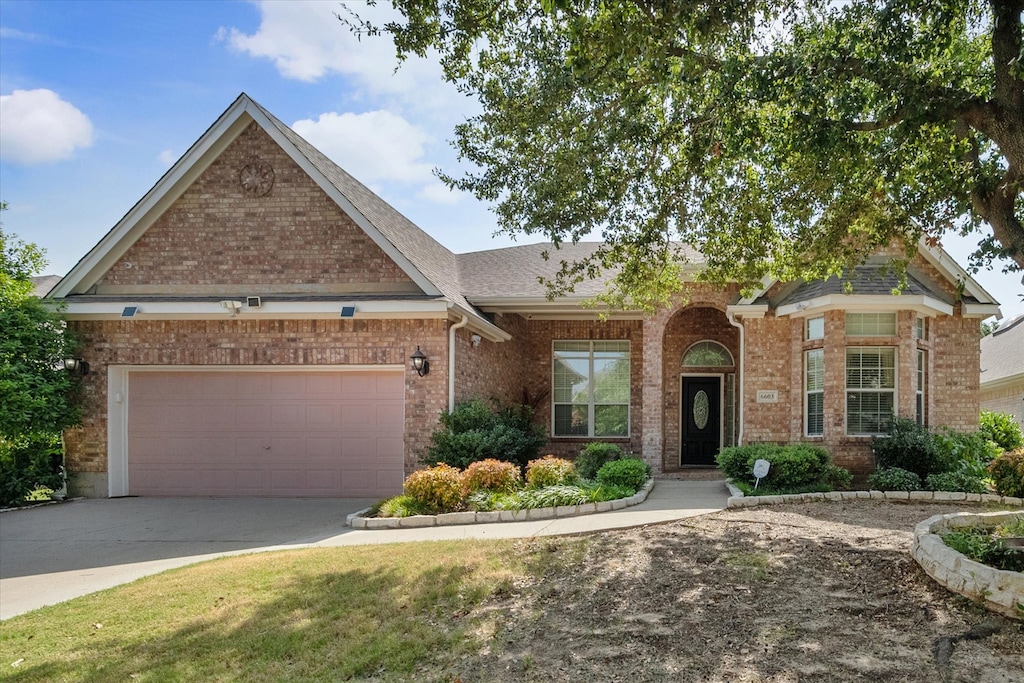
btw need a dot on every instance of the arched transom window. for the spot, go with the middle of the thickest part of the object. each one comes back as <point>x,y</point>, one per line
<point>707,354</point>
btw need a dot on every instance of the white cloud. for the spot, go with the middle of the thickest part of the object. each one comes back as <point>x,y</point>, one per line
<point>39,127</point>
<point>305,41</point>
<point>167,157</point>
<point>439,193</point>
<point>374,146</point>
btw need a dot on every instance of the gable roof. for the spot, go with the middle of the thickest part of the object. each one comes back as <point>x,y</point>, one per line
<point>427,263</point>
<point>1002,353</point>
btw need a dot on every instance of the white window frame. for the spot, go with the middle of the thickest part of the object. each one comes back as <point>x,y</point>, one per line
<point>591,403</point>
<point>808,392</point>
<point>871,324</point>
<point>812,336</point>
<point>920,382</point>
<point>894,389</point>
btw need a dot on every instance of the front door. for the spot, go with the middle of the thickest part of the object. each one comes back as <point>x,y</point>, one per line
<point>701,421</point>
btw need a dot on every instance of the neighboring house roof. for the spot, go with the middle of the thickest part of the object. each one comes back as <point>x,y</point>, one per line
<point>1002,354</point>
<point>44,283</point>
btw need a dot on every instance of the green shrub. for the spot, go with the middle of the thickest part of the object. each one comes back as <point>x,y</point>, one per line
<point>474,431</point>
<point>550,471</point>
<point>629,473</point>
<point>595,454</point>
<point>958,480</point>
<point>894,479</point>
<point>1008,473</point>
<point>492,475</point>
<point>909,446</point>
<point>957,447</point>
<point>400,506</point>
<point>1002,430</point>
<point>29,463</point>
<point>437,489</point>
<point>797,467</point>
<point>837,478</point>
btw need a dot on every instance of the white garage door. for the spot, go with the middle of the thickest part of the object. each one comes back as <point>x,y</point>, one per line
<point>247,433</point>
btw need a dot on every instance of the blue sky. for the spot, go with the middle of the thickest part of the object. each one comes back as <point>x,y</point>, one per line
<point>100,98</point>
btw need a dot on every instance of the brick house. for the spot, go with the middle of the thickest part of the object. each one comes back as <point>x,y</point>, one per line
<point>1002,370</point>
<point>250,322</point>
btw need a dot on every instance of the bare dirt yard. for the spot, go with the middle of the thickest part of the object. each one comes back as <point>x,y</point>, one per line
<point>812,592</point>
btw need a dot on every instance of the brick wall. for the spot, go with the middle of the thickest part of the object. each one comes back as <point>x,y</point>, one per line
<point>494,370</point>
<point>300,343</point>
<point>215,234</point>
<point>1005,399</point>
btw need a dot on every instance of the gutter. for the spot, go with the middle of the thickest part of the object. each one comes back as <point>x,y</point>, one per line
<point>731,317</point>
<point>451,360</point>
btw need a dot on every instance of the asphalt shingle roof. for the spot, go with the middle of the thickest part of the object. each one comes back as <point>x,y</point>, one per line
<point>872,280</point>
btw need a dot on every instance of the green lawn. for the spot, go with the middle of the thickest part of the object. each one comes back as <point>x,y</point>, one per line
<point>308,615</point>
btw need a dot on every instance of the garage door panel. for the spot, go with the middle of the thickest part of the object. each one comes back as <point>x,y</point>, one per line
<point>254,433</point>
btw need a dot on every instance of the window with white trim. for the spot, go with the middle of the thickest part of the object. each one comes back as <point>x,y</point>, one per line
<point>590,388</point>
<point>919,328</point>
<point>870,389</point>
<point>871,324</point>
<point>922,363</point>
<point>814,392</point>
<point>815,328</point>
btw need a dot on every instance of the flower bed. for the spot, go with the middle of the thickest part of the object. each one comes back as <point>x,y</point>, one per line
<point>1000,591</point>
<point>359,520</point>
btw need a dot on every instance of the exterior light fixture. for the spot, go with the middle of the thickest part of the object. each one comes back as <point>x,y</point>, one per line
<point>420,363</point>
<point>76,366</point>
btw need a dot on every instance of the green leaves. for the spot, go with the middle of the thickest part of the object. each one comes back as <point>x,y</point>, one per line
<point>777,138</point>
<point>35,391</point>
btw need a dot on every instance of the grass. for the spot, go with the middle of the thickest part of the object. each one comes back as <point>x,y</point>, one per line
<point>312,615</point>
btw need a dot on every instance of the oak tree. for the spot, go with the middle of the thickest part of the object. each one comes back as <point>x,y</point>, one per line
<point>783,139</point>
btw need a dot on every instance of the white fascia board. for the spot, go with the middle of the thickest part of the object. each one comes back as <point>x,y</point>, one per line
<point>140,217</point>
<point>560,309</point>
<point>270,310</point>
<point>767,282</point>
<point>865,303</point>
<point>1002,382</point>
<point>982,311</point>
<point>743,310</point>
<point>945,264</point>
<point>342,201</point>
<point>484,327</point>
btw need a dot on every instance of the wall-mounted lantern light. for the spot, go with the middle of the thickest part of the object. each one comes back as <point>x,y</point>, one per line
<point>76,366</point>
<point>420,363</point>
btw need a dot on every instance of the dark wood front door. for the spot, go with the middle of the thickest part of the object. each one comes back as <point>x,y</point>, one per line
<point>701,421</point>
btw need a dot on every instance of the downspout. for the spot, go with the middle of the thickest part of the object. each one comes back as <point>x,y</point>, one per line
<point>731,317</point>
<point>451,361</point>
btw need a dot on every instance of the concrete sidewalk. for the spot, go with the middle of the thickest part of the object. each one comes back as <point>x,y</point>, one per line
<point>240,526</point>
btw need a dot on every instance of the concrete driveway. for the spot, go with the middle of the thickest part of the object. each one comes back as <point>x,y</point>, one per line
<point>54,553</point>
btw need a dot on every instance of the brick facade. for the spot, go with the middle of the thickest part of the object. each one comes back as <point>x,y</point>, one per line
<point>215,239</point>
<point>294,239</point>
<point>234,343</point>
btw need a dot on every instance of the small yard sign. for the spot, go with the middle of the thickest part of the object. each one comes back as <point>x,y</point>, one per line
<point>761,468</point>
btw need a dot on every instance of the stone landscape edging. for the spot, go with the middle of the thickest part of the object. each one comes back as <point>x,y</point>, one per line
<point>357,521</point>
<point>998,590</point>
<point>741,501</point>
